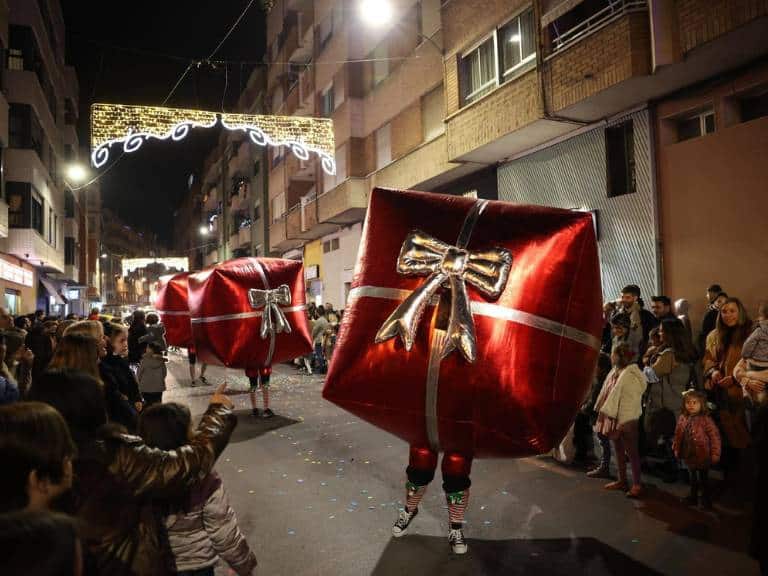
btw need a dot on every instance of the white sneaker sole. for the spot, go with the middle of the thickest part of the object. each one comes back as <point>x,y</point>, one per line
<point>400,533</point>
<point>459,550</point>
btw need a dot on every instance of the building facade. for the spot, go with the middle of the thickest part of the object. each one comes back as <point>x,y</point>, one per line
<point>44,222</point>
<point>580,104</point>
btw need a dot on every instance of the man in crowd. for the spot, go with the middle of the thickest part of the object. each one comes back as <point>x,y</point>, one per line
<point>661,306</point>
<point>6,320</point>
<point>715,298</point>
<point>641,319</point>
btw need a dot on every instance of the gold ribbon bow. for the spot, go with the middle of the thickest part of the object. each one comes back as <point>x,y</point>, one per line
<point>273,320</point>
<point>451,267</point>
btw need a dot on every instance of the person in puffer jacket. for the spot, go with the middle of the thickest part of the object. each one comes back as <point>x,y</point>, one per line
<point>200,523</point>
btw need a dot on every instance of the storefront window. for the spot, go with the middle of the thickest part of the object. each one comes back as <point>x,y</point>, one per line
<point>12,301</point>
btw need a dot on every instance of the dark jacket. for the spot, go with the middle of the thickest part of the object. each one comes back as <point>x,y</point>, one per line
<point>136,348</point>
<point>707,325</point>
<point>119,371</point>
<point>120,408</point>
<point>117,479</point>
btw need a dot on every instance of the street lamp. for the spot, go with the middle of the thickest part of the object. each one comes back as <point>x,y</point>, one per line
<point>376,13</point>
<point>76,173</point>
<point>204,230</point>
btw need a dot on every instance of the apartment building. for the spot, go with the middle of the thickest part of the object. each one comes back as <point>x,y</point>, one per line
<point>42,101</point>
<point>568,99</point>
<point>382,84</point>
<point>231,218</point>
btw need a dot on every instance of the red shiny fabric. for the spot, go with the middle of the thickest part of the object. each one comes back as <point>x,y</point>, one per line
<point>172,305</point>
<point>523,391</point>
<point>235,341</point>
<point>425,459</point>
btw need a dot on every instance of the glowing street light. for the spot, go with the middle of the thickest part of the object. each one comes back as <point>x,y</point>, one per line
<point>204,230</point>
<point>76,174</point>
<point>376,12</point>
<point>104,256</point>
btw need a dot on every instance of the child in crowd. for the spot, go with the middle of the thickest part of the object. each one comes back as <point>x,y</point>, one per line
<point>155,332</point>
<point>200,523</point>
<point>755,353</point>
<point>697,443</point>
<point>654,346</point>
<point>619,407</point>
<point>152,374</point>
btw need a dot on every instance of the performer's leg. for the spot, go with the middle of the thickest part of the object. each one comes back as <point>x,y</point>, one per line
<point>203,367</point>
<point>422,463</point>
<point>254,382</point>
<point>456,470</point>
<point>265,375</point>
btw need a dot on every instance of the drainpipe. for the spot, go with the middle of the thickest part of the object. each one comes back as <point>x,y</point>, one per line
<point>540,72</point>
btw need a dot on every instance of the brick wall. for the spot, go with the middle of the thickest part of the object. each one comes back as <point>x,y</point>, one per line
<point>508,108</point>
<point>703,20</point>
<point>467,21</point>
<point>406,130</point>
<point>611,55</point>
<point>362,156</point>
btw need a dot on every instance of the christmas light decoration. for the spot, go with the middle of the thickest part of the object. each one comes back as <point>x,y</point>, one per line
<point>131,126</point>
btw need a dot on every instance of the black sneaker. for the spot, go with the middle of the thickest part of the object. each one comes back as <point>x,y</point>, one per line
<point>268,413</point>
<point>204,380</point>
<point>403,521</point>
<point>255,412</point>
<point>456,540</point>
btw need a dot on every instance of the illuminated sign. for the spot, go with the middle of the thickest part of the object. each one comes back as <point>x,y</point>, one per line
<point>131,126</point>
<point>16,274</point>
<point>131,264</point>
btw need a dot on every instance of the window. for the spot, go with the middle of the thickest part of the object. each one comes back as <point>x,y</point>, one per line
<point>478,71</point>
<point>383,147</point>
<point>753,107</point>
<point>380,57</point>
<point>13,301</point>
<point>24,130</point>
<point>278,206</point>
<point>17,196</point>
<point>326,102</point>
<point>432,107</point>
<point>37,219</point>
<point>507,51</point>
<point>69,251</point>
<point>69,204</point>
<point>620,159</point>
<point>55,230</point>
<point>696,125</point>
<point>325,31</point>
<point>70,115</point>
<point>330,245</point>
<point>517,43</point>
<point>50,225</point>
<point>15,59</point>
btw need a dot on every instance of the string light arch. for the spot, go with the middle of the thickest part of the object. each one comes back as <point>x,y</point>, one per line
<point>131,126</point>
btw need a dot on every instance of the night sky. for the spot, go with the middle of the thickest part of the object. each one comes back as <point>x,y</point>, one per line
<point>135,55</point>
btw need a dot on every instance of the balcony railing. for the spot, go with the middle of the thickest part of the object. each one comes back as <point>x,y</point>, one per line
<point>614,9</point>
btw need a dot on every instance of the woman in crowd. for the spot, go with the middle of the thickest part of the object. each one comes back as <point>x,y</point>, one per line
<point>37,452</point>
<point>40,340</point>
<point>19,360</point>
<point>122,408</point>
<point>77,351</point>
<point>668,376</point>
<point>118,476</point>
<point>722,354</point>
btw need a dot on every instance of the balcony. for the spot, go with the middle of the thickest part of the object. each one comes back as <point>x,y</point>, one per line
<point>29,245</point>
<point>345,204</point>
<point>299,35</point>
<point>244,236</point>
<point>24,86</point>
<point>211,200</point>
<point>605,64</point>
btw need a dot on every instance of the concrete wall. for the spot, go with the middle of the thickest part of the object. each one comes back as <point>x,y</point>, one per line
<point>572,174</point>
<point>713,201</point>
<point>338,266</point>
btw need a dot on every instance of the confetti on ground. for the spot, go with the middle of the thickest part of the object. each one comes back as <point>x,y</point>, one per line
<point>291,532</point>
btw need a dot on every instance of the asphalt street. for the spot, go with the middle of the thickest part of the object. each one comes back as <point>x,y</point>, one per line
<point>316,491</point>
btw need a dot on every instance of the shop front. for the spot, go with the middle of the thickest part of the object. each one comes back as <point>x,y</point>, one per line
<point>17,285</point>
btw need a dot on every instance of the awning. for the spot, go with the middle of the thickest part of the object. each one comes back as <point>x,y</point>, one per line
<point>551,10</point>
<point>51,289</point>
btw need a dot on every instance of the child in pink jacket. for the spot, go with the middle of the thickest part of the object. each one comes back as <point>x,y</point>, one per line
<point>697,444</point>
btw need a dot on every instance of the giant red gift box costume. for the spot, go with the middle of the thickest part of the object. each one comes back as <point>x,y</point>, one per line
<point>249,312</point>
<point>501,365</point>
<point>173,307</point>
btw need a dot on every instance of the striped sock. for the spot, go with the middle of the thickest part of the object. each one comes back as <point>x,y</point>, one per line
<point>457,506</point>
<point>265,395</point>
<point>414,494</point>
